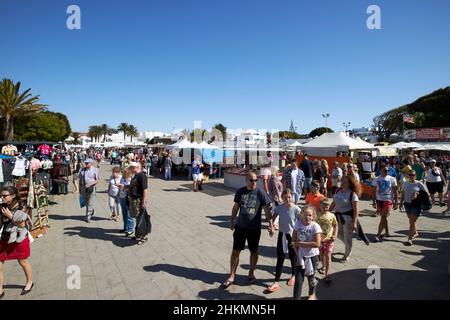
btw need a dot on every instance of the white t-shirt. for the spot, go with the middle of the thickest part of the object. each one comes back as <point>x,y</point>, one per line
<point>410,189</point>
<point>431,177</point>
<point>335,175</point>
<point>307,233</point>
<point>114,189</point>
<point>342,201</point>
<point>294,175</point>
<point>384,187</point>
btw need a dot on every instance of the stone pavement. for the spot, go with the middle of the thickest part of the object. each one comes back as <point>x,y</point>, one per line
<point>188,252</point>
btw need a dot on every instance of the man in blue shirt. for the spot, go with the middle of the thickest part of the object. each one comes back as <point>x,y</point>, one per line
<point>391,170</point>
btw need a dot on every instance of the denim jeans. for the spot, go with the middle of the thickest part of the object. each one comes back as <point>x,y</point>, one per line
<point>168,173</point>
<point>128,221</point>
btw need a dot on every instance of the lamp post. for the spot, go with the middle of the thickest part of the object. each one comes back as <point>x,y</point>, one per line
<point>346,125</point>
<point>326,116</point>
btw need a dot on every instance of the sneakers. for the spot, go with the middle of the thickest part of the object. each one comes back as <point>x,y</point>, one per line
<point>88,219</point>
<point>129,233</point>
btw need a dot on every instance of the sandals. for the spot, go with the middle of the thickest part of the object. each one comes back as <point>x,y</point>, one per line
<point>320,270</point>
<point>227,283</point>
<point>328,279</point>
<point>273,288</point>
<point>291,282</point>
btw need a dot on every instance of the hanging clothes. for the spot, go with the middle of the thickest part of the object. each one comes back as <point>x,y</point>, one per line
<point>31,195</point>
<point>47,164</point>
<point>44,149</point>
<point>35,164</point>
<point>20,167</point>
<point>1,172</point>
<point>9,150</point>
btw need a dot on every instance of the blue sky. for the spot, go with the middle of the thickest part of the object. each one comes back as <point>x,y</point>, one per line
<point>248,64</point>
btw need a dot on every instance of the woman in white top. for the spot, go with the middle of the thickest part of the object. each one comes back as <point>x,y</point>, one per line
<point>113,193</point>
<point>435,181</point>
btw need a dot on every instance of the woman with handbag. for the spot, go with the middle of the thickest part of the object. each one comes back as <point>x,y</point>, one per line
<point>410,200</point>
<point>345,204</point>
<point>13,251</point>
<point>124,185</point>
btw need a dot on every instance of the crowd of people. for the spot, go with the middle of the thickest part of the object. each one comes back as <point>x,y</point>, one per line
<point>307,233</point>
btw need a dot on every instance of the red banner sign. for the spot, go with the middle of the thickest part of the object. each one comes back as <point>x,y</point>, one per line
<point>429,133</point>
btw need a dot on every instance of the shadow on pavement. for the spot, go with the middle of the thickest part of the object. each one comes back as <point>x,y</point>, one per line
<point>75,217</point>
<point>176,190</point>
<point>221,221</point>
<point>100,234</point>
<point>214,189</point>
<point>188,273</point>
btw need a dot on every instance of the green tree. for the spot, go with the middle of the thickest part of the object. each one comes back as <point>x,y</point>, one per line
<point>14,104</point>
<point>220,127</point>
<point>290,135</point>
<point>76,137</point>
<point>95,132</point>
<point>319,132</point>
<point>42,126</point>
<point>133,132</point>
<point>428,111</point>
<point>123,127</point>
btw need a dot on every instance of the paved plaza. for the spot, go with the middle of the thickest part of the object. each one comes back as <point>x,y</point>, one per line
<point>188,252</point>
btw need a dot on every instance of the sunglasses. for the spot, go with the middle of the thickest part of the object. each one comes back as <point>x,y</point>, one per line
<point>253,180</point>
<point>411,175</point>
<point>5,195</point>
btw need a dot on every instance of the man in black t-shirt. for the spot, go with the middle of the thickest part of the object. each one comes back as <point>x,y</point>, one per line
<point>250,202</point>
<point>138,193</point>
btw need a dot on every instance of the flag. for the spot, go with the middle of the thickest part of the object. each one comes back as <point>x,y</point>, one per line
<point>408,119</point>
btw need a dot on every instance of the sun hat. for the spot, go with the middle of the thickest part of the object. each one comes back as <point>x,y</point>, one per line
<point>88,160</point>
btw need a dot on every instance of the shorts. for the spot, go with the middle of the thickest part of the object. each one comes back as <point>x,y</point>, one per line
<point>410,209</point>
<point>434,187</point>
<point>384,206</point>
<point>197,176</point>
<point>241,235</point>
<point>326,247</point>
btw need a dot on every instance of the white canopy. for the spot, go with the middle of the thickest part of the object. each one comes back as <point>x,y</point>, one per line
<point>294,144</point>
<point>181,144</point>
<point>330,143</point>
<point>205,145</point>
<point>435,146</point>
<point>405,145</point>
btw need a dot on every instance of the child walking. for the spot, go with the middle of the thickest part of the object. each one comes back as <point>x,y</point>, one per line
<point>288,213</point>
<point>306,239</point>
<point>314,197</point>
<point>113,193</point>
<point>328,224</point>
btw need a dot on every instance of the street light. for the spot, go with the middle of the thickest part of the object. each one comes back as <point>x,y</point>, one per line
<point>326,116</point>
<point>346,125</point>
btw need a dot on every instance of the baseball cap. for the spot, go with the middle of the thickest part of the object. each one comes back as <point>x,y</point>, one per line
<point>88,160</point>
<point>134,164</point>
<point>432,160</point>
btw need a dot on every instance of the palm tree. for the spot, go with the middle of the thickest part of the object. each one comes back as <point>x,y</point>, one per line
<point>124,127</point>
<point>95,132</point>
<point>76,136</point>
<point>104,130</point>
<point>133,132</point>
<point>14,104</point>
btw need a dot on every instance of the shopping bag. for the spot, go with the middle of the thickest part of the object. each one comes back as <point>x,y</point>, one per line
<point>143,224</point>
<point>82,201</point>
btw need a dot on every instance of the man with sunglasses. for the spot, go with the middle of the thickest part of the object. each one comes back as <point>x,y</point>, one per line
<point>249,201</point>
<point>384,191</point>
